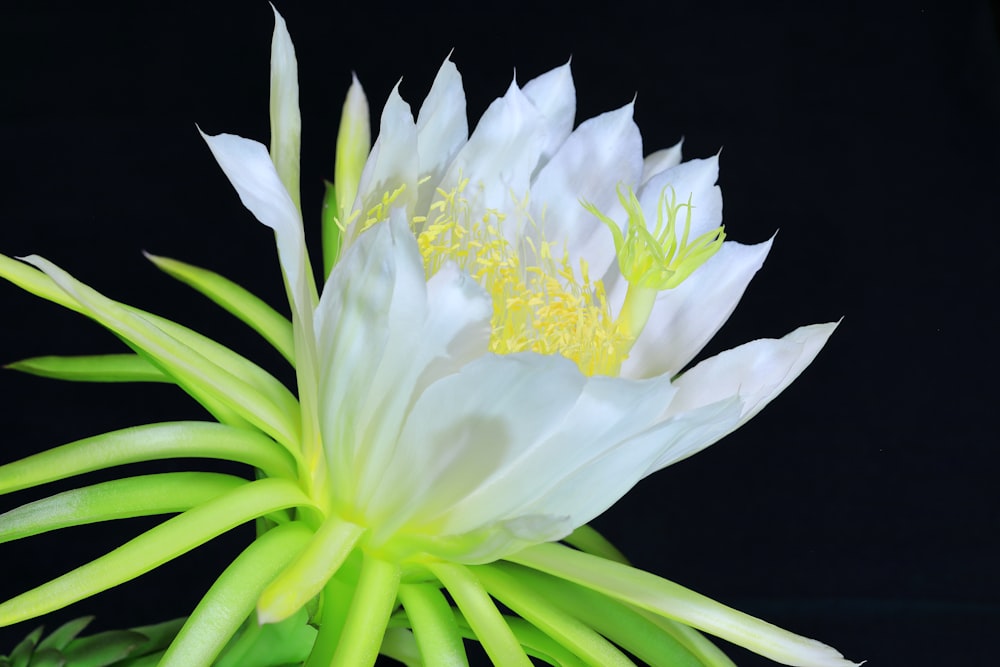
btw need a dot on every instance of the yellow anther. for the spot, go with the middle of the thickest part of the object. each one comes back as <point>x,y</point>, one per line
<point>540,303</point>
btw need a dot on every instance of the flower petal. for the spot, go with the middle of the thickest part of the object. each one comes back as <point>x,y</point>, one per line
<point>249,168</point>
<point>607,412</point>
<point>694,179</point>
<point>466,427</point>
<point>384,335</point>
<point>286,122</point>
<point>392,164</point>
<point>661,160</point>
<point>592,488</point>
<point>442,129</point>
<point>755,373</point>
<point>601,154</point>
<point>500,155</point>
<point>686,317</point>
<point>554,95</point>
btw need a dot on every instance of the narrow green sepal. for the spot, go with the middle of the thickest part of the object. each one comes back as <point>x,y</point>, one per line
<point>92,368</point>
<point>333,233</point>
<point>156,546</point>
<point>143,495</point>
<point>250,309</point>
<point>231,600</point>
<point>150,442</point>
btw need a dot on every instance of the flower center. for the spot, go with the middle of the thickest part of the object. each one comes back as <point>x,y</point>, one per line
<point>541,303</point>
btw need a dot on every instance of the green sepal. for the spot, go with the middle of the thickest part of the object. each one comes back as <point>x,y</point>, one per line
<point>333,233</point>
<point>306,575</point>
<point>149,442</point>
<point>536,643</point>
<point>235,390</point>
<point>587,538</point>
<point>143,495</point>
<point>156,546</point>
<point>434,627</point>
<point>92,368</point>
<point>534,606</point>
<point>274,327</point>
<point>486,621</point>
<point>659,596</point>
<point>399,644</point>
<point>231,600</point>
<point>618,622</point>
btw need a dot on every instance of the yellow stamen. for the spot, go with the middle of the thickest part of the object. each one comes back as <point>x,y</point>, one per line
<point>541,303</point>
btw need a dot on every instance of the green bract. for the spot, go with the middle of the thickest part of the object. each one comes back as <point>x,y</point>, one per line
<point>485,369</point>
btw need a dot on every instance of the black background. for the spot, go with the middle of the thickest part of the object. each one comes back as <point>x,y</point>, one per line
<point>859,508</point>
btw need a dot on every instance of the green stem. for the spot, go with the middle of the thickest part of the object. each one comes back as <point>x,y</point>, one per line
<point>374,599</point>
<point>483,616</point>
<point>434,625</point>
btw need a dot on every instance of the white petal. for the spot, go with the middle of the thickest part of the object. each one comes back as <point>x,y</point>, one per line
<point>286,123</point>
<point>594,487</point>
<point>392,163</point>
<point>442,129</point>
<point>249,168</point>
<point>603,153</point>
<point>754,373</point>
<point>607,412</point>
<point>686,317</point>
<point>500,155</point>
<point>694,179</point>
<point>384,335</point>
<point>466,427</point>
<point>661,160</point>
<point>554,95</point>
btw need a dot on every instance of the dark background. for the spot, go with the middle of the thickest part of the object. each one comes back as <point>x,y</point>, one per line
<point>857,509</point>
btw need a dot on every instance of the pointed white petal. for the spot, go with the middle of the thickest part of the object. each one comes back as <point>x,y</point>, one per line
<point>594,487</point>
<point>603,153</point>
<point>442,129</point>
<point>754,373</point>
<point>286,123</point>
<point>694,179</point>
<point>554,95</point>
<point>354,140</point>
<point>661,160</point>
<point>384,335</point>
<point>607,412</point>
<point>686,317</point>
<point>500,155</point>
<point>249,168</point>
<point>466,427</point>
<point>392,164</point>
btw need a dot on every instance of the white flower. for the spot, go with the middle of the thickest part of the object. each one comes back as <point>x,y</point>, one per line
<point>430,441</point>
<point>498,353</point>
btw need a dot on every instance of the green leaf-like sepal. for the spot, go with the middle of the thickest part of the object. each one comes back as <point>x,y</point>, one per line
<point>92,368</point>
<point>274,327</point>
<point>151,442</point>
